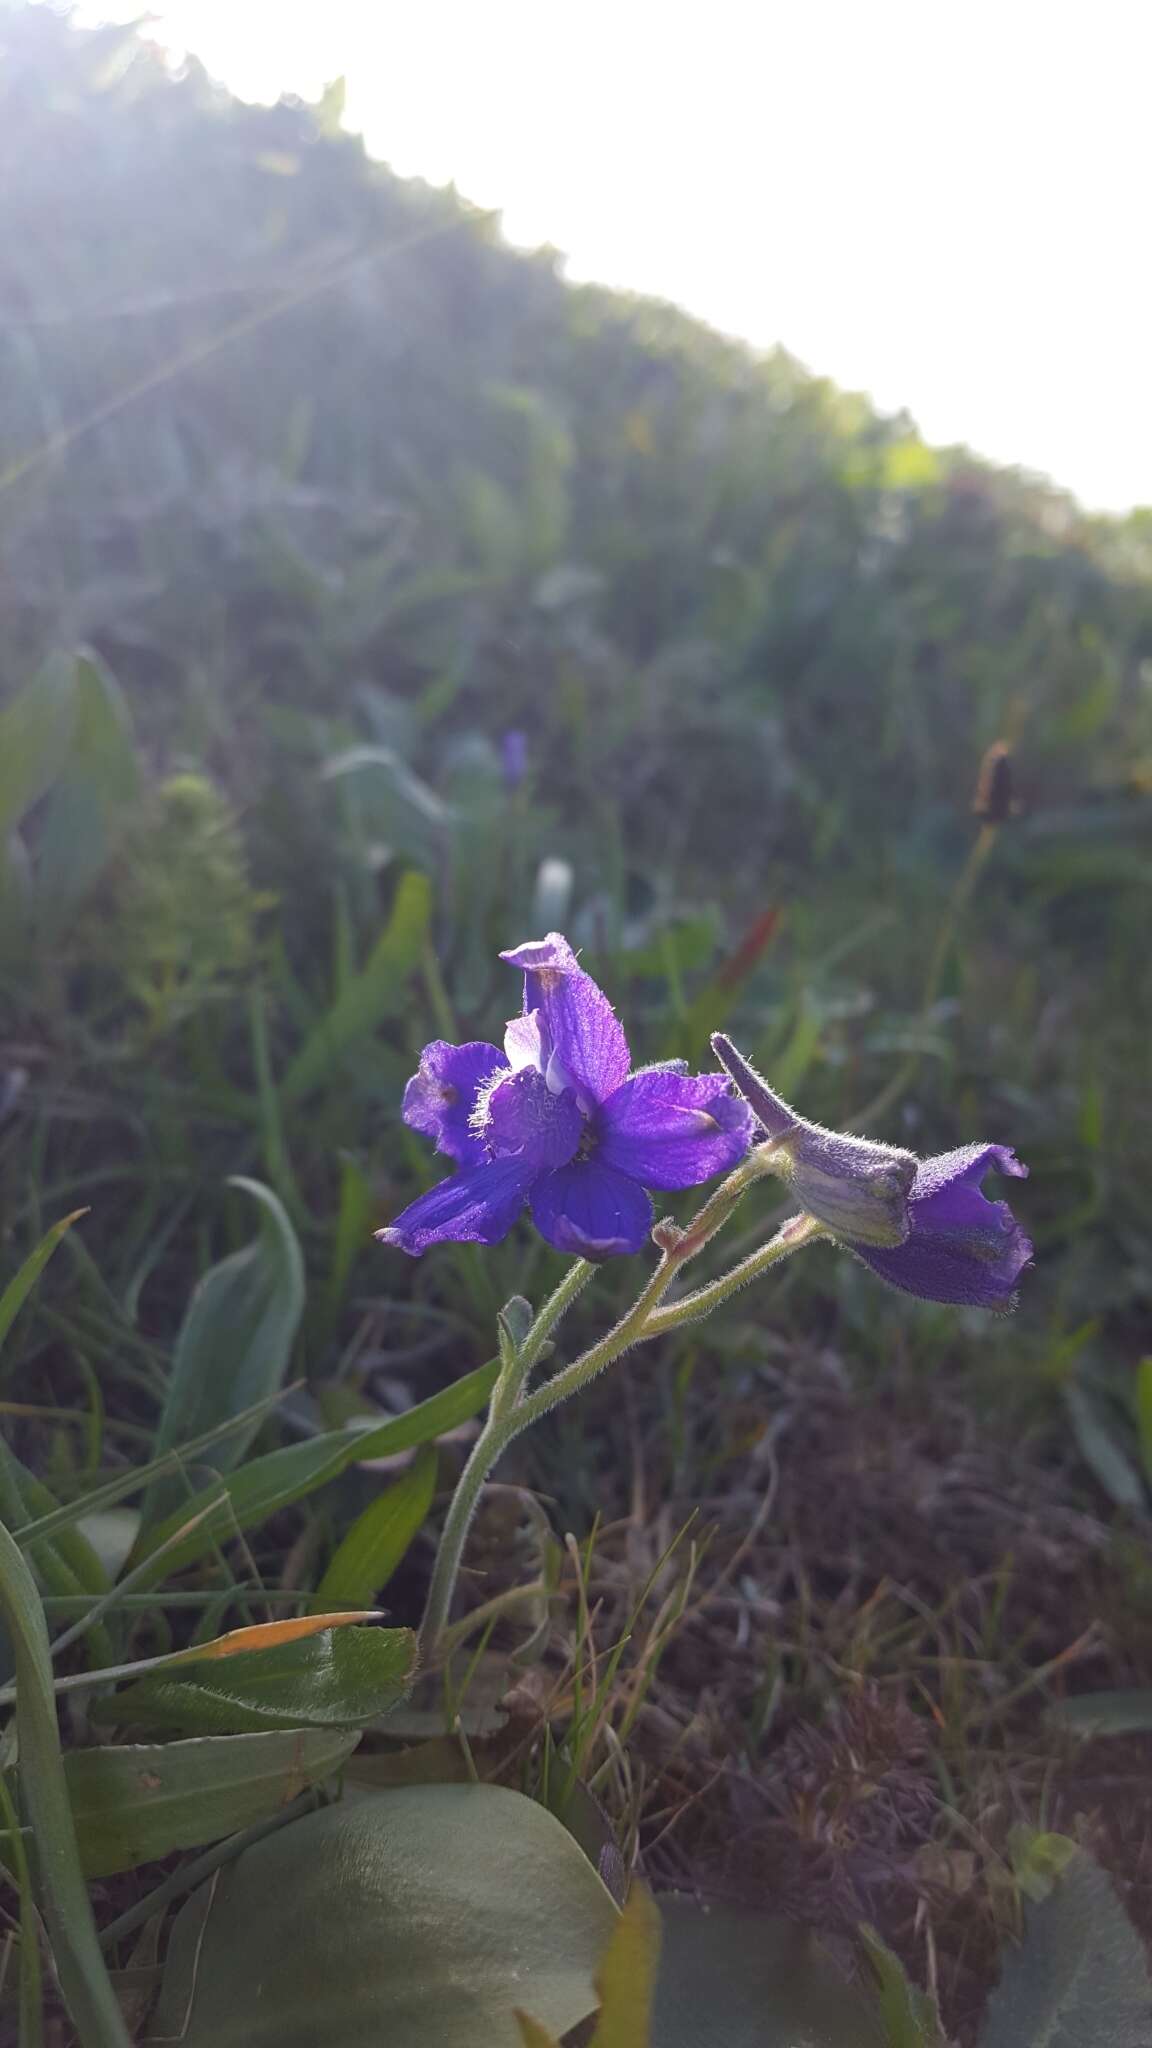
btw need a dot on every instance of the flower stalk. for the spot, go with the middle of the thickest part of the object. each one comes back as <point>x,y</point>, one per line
<point>559,1123</point>
<point>513,1409</point>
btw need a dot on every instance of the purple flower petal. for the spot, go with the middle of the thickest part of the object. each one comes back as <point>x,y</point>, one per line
<point>585,1035</point>
<point>962,1247</point>
<point>592,1210</point>
<point>859,1190</point>
<point>441,1095</point>
<point>670,1130</point>
<point>476,1206</point>
<point>520,1117</point>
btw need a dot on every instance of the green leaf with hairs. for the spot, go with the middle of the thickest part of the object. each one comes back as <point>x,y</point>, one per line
<point>1079,1978</point>
<point>340,1678</point>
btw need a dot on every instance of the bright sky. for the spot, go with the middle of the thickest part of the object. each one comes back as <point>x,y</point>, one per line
<point>945,203</point>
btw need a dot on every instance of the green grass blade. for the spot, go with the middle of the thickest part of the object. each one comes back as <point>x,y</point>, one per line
<point>375,993</point>
<point>248,1497</point>
<point>1144,1416</point>
<point>20,1286</point>
<point>31,1991</point>
<point>128,1482</point>
<point>88,1994</point>
<point>378,1539</point>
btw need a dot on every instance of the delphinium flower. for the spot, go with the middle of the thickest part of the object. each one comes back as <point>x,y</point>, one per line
<point>924,1225</point>
<point>514,756</point>
<point>559,1122</point>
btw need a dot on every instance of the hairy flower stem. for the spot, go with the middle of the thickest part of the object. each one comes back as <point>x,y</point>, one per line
<point>798,1231</point>
<point>510,1385</point>
<point>513,1410</point>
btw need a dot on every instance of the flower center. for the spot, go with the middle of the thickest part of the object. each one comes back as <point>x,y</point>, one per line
<point>518,1116</point>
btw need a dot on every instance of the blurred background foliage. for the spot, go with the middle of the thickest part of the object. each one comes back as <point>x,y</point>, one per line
<point>312,493</point>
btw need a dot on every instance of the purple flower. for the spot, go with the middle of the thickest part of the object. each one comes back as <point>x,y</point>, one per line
<point>924,1225</point>
<point>960,1246</point>
<point>557,1121</point>
<point>514,756</point>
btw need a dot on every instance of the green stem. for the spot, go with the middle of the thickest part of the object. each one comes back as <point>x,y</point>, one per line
<point>507,1418</point>
<point>798,1231</point>
<point>507,1391</point>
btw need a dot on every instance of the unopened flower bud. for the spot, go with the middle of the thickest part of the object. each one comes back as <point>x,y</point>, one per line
<point>859,1190</point>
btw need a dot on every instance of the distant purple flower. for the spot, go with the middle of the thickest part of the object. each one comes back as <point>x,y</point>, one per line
<point>923,1225</point>
<point>558,1122</point>
<point>514,756</point>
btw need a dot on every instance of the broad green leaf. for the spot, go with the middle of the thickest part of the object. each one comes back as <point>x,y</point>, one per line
<point>34,732</point>
<point>379,1539</point>
<point>377,992</point>
<point>909,2015</point>
<point>341,1678</point>
<point>423,1917</point>
<point>22,1282</point>
<point>92,798</point>
<point>1101,1451</point>
<point>262,1488</point>
<point>235,1343</point>
<point>141,1801</point>
<point>738,1979</point>
<point>1079,1978</point>
<point>1144,1415</point>
<point>1124,1712</point>
<point>626,1979</point>
<point>64,1901</point>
